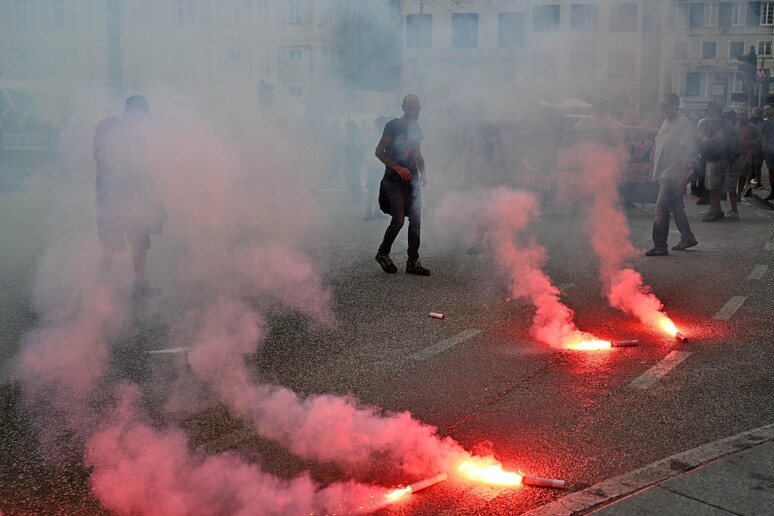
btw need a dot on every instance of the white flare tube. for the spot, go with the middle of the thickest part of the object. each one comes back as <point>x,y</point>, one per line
<point>436,315</point>
<point>543,482</point>
<point>423,484</point>
<point>625,343</point>
<point>679,336</point>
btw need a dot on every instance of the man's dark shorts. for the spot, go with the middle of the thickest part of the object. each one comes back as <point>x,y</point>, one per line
<point>115,230</point>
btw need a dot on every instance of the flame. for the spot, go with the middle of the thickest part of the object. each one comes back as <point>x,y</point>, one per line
<point>397,494</point>
<point>668,326</point>
<point>490,472</point>
<point>586,345</point>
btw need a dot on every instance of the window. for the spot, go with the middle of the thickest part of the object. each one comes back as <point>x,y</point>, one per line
<point>696,15</point>
<point>710,15</point>
<point>620,65</point>
<point>583,65</point>
<point>419,30</point>
<point>294,11</point>
<point>724,15</point>
<point>178,12</point>
<point>681,50</point>
<point>682,15</point>
<point>709,50</point>
<point>693,84</point>
<point>464,30</point>
<point>22,15</point>
<point>739,13</point>
<point>764,48</point>
<point>584,17</point>
<point>767,13</point>
<point>58,14</point>
<point>623,17</point>
<point>545,18</point>
<point>510,30</point>
<point>735,49</point>
<point>229,12</point>
<point>295,55</point>
<point>544,65</point>
<point>296,91</point>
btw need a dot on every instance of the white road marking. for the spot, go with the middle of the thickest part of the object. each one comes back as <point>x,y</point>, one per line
<point>660,370</point>
<point>769,246</point>
<point>440,347</point>
<point>758,272</point>
<point>168,351</point>
<point>729,308</point>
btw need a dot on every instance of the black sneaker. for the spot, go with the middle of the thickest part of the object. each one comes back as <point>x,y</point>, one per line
<point>657,251</point>
<point>415,267</point>
<point>713,216</point>
<point>702,201</point>
<point>386,262</point>
<point>682,246</point>
<point>747,192</point>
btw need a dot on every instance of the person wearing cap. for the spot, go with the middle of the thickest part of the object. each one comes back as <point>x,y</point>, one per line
<point>129,207</point>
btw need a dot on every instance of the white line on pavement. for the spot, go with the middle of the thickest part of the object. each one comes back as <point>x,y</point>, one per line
<point>729,308</point>
<point>440,347</point>
<point>758,272</point>
<point>658,371</point>
<point>168,351</point>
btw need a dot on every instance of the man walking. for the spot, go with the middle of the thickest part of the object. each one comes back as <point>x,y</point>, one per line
<point>399,150</point>
<point>129,207</point>
<point>674,148</point>
<point>715,146</point>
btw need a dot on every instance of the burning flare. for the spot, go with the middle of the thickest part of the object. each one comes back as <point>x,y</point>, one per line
<point>489,471</point>
<point>589,345</point>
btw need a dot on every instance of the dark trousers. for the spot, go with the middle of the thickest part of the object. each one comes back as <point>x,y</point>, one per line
<point>405,201</point>
<point>670,201</point>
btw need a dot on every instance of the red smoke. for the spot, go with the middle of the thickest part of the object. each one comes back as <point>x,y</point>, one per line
<point>608,227</point>
<point>506,215</point>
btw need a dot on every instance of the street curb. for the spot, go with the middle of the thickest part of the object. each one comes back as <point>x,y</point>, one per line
<point>612,489</point>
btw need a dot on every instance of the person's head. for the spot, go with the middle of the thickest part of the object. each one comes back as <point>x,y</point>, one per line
<point>670,105</point>
<point>741,115</point>
<point>137,106</point>
<point>756,112</point>
<point>715,110</point>
<point>411,107</point>
<point>730,116</point>
<point>768,110</point>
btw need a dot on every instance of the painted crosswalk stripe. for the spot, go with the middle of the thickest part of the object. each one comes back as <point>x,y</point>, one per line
<point>440,347</point>
<point>168,351</point>
<point>658,371</point>
<point>729,308</point>
<point>758,272</point>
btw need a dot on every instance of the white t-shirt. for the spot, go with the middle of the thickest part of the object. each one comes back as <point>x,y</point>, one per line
<point>674,148</point>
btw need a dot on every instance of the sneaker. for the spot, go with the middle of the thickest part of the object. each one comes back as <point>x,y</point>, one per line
<point>713,216</point>
<point>682,246</point>
<point>657,251</point>
<point>415,267</point>
<point>732,215</point>
<point>386,262</point>
<point>757,187</point>
<point>142,290</point>
<point>747,192</point>
<point>702,201</point>
<point>769,197</point>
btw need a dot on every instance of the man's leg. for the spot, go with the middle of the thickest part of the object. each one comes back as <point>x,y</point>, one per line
<point>677,207</point>
<point>397,210</point>
<point>415,224</point>
<point>661,221</point>
<point>771,184</point>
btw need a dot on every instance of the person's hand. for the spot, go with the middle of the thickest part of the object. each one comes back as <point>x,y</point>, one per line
<point>403,172</point>
<point>423,180</point>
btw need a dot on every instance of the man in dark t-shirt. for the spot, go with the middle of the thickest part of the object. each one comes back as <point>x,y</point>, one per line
<point>399,150</point>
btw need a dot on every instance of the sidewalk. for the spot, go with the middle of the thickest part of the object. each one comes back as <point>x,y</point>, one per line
<point>732,476</point>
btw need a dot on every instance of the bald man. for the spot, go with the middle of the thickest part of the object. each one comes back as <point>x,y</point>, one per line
<point>399,150</point>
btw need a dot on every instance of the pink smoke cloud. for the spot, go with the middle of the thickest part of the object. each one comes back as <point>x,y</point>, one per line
<point>506,216</point>
<point>608,227</point>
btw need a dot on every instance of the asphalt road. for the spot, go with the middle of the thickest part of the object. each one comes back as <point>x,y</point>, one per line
<point>477,375</point>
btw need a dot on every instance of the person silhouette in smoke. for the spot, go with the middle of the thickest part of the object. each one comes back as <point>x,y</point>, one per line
<point>399,195</point>
<point>673,151</point>
<point>129,207</point>
<point>374,170</point>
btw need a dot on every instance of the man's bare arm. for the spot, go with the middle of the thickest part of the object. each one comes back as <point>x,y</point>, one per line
<point>381,154</point>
